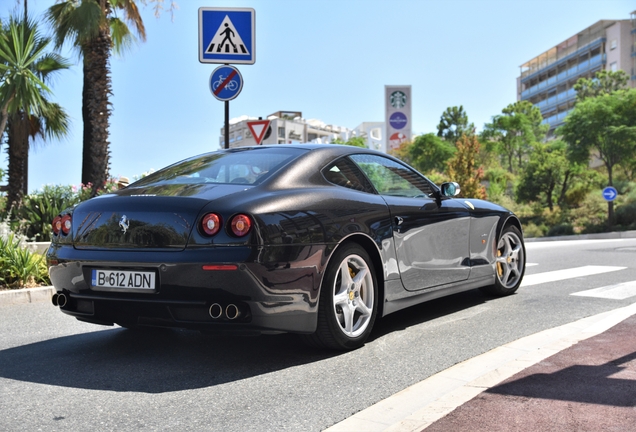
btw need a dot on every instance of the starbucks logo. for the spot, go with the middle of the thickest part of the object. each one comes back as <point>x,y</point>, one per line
<point>398,99</point>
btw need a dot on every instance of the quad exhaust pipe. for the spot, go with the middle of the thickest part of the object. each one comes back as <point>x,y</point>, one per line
<point>231,311</point>
<point>59,300</point>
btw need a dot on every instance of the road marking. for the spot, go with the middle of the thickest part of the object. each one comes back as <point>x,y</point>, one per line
<point>558,275</point>
<point>556,243</point>
<point>531,264</point>
<point>619,291</point>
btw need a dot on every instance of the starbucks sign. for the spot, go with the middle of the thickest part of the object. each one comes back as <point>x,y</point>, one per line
<point>398,99</point>
<point>397,119</point>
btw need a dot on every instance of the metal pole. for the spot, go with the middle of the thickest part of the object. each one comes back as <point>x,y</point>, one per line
<point>227,124</point>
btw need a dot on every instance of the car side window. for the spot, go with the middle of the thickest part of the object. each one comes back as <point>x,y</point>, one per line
<point>345,173</point>
<point>392,178</point>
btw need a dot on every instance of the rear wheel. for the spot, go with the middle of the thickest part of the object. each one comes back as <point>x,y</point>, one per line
<point>348,300</point>
<point>510,263</point>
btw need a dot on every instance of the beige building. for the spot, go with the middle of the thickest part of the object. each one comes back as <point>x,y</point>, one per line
<point>548,79</point>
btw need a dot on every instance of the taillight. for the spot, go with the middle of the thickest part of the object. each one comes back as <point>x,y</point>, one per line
<point>241,225</point>
<point>211,224</point>
<point>66,224</point>
<point>57,225</point>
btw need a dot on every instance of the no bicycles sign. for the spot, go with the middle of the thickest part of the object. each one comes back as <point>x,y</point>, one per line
<point>226,83</point>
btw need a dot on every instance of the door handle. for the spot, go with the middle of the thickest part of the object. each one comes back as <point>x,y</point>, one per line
<point>398,220</point>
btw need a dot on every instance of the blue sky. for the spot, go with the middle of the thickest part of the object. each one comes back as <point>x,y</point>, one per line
<point>329,59</point>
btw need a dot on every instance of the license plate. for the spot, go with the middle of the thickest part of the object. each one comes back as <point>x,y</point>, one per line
<point>123,279</point>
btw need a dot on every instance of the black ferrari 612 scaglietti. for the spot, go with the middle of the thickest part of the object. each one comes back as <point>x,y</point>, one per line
<point>318,240</point>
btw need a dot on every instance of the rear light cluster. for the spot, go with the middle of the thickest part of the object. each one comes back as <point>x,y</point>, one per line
<point>62,225</point>
<point>239,225</point>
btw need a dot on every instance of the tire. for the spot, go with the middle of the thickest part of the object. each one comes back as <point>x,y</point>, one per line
<point>348,301</point>
<point>510,263</point>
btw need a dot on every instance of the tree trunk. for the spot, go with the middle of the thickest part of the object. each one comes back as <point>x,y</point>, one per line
<point>18,146</point>
<point>96,111</point>
<point>564,188</point>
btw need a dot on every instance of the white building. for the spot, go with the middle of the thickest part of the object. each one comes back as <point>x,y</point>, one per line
<point>289,127</point>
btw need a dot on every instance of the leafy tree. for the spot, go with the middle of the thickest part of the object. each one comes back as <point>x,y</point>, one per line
<point>547,175</point>
<point>606,125</point>
<point>94,29</point>
<point>515,132</point>
<point>463,170</point>
<point>430,153</point>
<point>353,141</point>
<point>357,142</point>
<point>453,124</point>
<point>403,152</point>
<point>604,82</point>
<point>27,112</point>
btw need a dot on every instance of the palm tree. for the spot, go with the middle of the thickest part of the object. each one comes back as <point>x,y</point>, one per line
<point>26,111</point>
<point>94,29</point>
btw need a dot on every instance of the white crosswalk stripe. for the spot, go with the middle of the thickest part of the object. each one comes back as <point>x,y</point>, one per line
<point>572,273</point>
<point>619,291</point>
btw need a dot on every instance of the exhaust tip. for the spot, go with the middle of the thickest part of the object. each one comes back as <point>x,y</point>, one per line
<point>232,312</point>
<point>54,299</point>
<point>61,300</point>
<point>216,311</point>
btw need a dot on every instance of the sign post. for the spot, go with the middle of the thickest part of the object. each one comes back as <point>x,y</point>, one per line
<point>227,35</point>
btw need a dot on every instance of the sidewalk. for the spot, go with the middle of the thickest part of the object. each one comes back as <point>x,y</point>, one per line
<point>27,295</point>
<point>577,377</point>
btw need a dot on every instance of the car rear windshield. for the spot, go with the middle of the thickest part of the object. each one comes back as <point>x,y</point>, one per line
<point>238,166</point>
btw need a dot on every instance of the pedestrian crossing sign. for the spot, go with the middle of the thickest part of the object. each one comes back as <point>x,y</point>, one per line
<point>227,35</point>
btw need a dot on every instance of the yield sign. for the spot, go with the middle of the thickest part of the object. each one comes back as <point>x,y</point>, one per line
<point>258,128</point>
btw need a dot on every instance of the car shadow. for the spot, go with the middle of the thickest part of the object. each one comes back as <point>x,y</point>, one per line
<point>428,311</point>
<point>152,361</point>
<point>167,360</point>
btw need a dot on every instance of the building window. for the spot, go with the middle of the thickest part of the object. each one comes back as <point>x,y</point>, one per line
<point>281,132</point>
<point>613,44</point>
<point>613,66</point>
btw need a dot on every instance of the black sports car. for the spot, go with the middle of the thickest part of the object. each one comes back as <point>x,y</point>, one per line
<point>312,239</point>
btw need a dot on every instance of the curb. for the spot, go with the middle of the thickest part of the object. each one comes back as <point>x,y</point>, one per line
<point>27,295</point>
<point>609,235</point>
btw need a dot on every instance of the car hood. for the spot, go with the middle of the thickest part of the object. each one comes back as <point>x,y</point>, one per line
<point>154,218</point>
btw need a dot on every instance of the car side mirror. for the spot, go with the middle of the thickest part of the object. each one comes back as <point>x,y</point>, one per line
<point>450,189</point>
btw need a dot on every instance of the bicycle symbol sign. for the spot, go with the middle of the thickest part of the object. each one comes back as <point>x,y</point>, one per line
<point>226,83</point>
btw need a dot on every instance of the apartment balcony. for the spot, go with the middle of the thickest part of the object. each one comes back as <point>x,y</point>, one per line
<point>554,63</point>
<point>573,72</point>
<point>556,120</point>
<point>561,98</point>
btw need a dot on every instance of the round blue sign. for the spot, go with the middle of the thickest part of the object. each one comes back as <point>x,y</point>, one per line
<point>397,120</point>
<point>226,83</point>
<point>610,193</point>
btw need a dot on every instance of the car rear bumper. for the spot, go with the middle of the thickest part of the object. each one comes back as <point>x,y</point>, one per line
<point>259,292</point>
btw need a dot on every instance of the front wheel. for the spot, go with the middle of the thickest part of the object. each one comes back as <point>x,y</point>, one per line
<point>510,264</point>
<point>348,300</point>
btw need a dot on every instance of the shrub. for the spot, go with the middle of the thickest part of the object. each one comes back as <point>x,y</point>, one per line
<point>33,218</point>
<point>19,267</point>
<point>532,230</point>
<point>561,229</point>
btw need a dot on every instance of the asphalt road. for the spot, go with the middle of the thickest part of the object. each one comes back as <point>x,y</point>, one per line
<point>59,374</point>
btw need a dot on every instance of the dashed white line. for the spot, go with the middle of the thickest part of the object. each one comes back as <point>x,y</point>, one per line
<point>558,275</point>
<point>619,291</point>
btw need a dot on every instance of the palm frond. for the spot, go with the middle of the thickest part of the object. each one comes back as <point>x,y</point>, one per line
<point>121,36</point>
